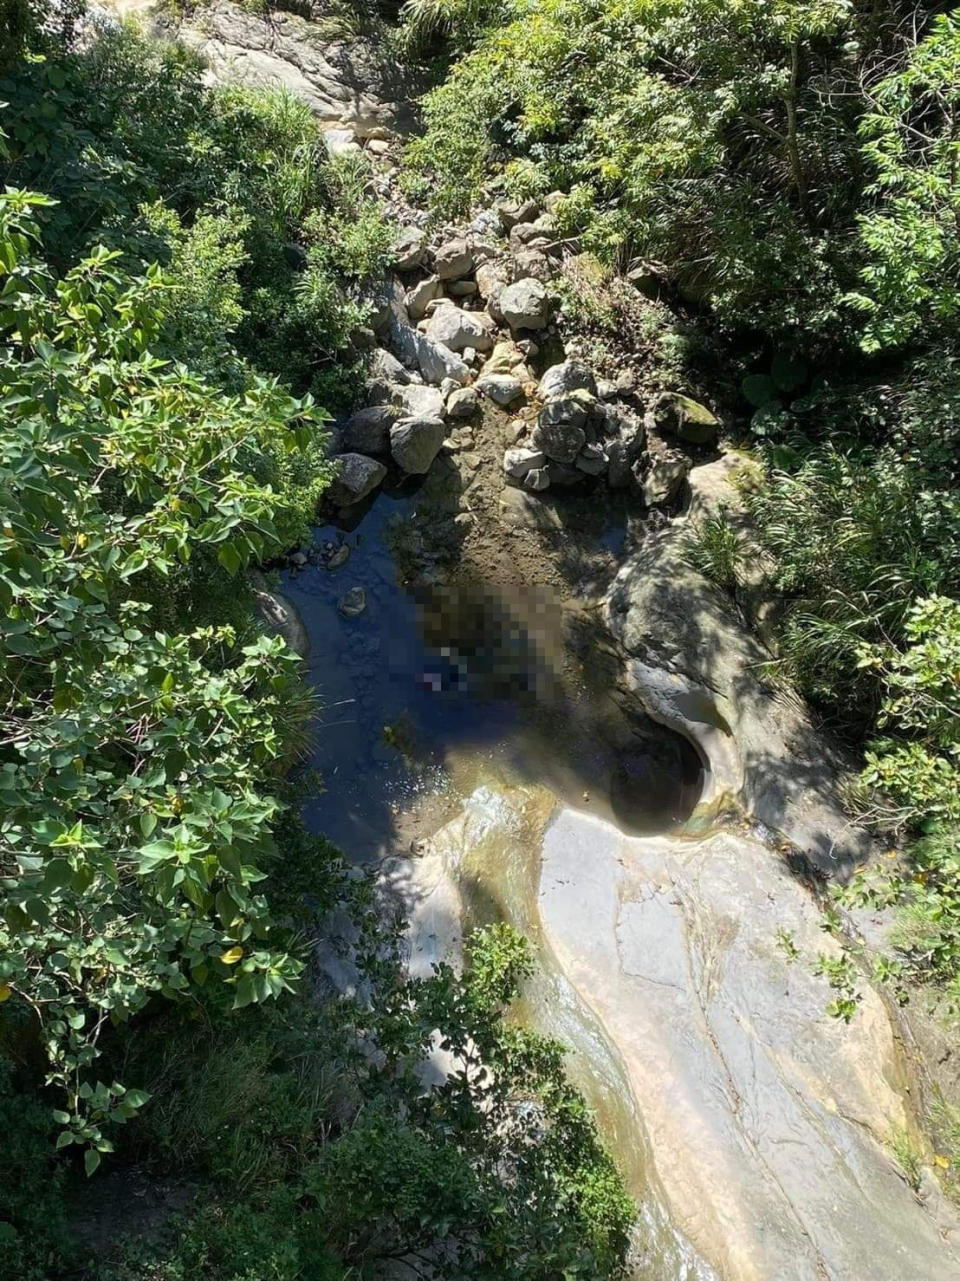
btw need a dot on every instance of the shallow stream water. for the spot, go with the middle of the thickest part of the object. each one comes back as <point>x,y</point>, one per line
<point>433,689</point>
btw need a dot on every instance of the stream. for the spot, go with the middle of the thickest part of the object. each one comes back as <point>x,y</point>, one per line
<point>431,691</point>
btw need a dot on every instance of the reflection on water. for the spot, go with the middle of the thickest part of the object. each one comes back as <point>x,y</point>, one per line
<point>434,689</point>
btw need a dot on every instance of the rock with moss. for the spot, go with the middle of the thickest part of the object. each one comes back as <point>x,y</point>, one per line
<point>686,419</point>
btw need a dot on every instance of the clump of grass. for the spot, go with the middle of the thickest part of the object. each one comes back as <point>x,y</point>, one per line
<point>712,547</point>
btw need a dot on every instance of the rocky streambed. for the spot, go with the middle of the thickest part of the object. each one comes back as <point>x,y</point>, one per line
<point>537,711</point>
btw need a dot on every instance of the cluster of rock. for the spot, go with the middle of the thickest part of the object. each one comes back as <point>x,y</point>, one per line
<point>462,322</point>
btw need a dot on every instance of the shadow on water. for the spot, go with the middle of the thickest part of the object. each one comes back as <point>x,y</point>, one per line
<point>431,690</point>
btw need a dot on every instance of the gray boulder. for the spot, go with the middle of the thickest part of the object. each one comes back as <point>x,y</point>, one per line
<point>591,460</point>
<point>526,305</point>
<point>452,260</point>
<point>537,479</point>
<point>419,401</point>
<point>358,476</point>
<point>458,329</point>
<point>462,403</point>
<point>368,430</point>
<point>492,279</point>
<point>568,376</point>
<point>418,298</point>
<point>502,389</point>
<point>686,419</point>
<point>409,249</point>
<point>665,475</point>
<point>415,443</point>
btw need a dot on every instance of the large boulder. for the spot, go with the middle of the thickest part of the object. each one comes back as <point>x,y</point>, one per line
<point>419,401</point>
<point>526,305</point>
<point>452,260</point>
<point>434,360</point>
<point>458,329</point>
<point>687,419</point>
<point>568,376</point>
<point>560,428</point>
<point>383,372</point>
<point>357,477</point>
<point>368,430</point>
<point>415,443</point>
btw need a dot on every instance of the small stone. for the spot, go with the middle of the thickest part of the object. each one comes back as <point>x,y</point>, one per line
<point>516,429</point>
<point>626,382</point>
<point>339,558</point>
<point>352,603</point>
<point>469,354</point>
<point>378,146</point>
<point>513,213</point>
<point>472,461</point>
<point>606,390</point>
<point>517,462</point>
<point>462,403</point>
<point>299,559</point>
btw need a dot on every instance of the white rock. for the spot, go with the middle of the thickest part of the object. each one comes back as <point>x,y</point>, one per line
<point>419,296</point>
<point>462,403</point>
<point>537,479</point>
<point>456,328</point>
<point>568,376</point>
<point>517,462</point>
<point>418,401</point>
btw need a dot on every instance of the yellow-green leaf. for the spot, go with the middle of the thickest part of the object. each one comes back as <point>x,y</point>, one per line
<point>231,955</point>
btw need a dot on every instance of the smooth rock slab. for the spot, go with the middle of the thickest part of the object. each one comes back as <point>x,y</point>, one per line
<point>768,1121</point>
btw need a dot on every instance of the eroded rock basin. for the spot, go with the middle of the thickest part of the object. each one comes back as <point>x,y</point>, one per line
<point>473,742</point>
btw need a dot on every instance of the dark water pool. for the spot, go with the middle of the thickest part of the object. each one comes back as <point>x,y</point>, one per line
<point>430,691</point>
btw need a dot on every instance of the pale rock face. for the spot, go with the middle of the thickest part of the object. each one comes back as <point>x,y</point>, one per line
<point>358,476</point>
<point>458,329</point>
<point>415,443</point>
<point>492,278</point>
<point>453,260</point>
<point>537,479</point>
<point>526,305</point>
